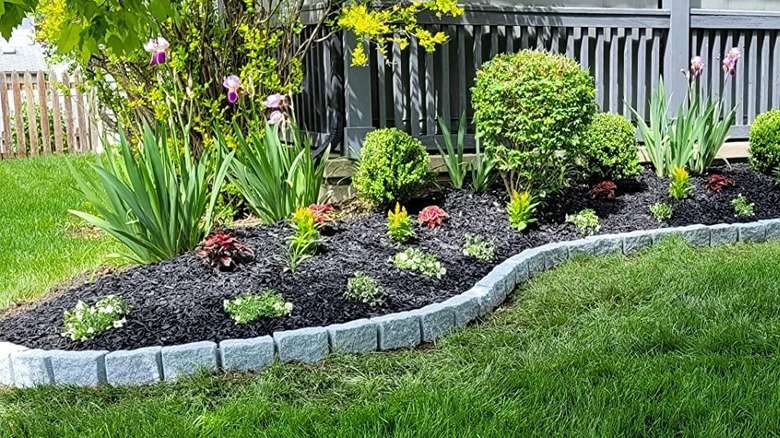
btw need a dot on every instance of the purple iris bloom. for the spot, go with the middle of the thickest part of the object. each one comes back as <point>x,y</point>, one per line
<point>232,83</point>
<point>158,48</point>
<point>276,101</point>
<point>276,118</point>
<point>730,63</point>
<point>697,66</point>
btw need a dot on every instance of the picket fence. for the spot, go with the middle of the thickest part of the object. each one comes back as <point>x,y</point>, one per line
<point>46,113</point>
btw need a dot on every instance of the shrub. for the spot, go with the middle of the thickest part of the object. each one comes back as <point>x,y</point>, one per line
<point>432,216</point>
<point>361,287</point>
<point>275,174</point>
<point>479,247</point>
<point>609,148</point>
<point>416,260</point>
<point>742,208</point>
<point>716,183</point>
<point>661,211</point>
<point>529,107</point>
<point>223,251</point>
<point>521,209</point>
<point>157,200</point>
<point>85,322</point>
<point>393,167</point>
<point>680,187</point>
<point>586,221</point>
<point>399,226</point>
<point>306,236</point>
<point>765,142</point>
<point>248,307</point>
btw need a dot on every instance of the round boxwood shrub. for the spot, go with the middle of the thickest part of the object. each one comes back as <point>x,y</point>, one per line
<point>765,142</point>
<point>393,167</point>
<point>609,148</point>
<point>531,109</point>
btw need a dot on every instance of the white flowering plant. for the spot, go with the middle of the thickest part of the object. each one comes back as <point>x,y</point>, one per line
<point>85,322</point>
<point>248,307</point>
<point>416,260</point>
<point>361,287</point>
<point>479,247</point>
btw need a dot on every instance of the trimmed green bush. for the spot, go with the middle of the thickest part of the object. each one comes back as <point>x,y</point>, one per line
<point>609,148</point>
<point>765,142</point>
<point>529,107</point>
<point>393,167</point>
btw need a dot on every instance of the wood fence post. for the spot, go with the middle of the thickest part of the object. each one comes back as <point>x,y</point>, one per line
<point>678,51</point>
<point>6,147</point>
<point>358,100</point>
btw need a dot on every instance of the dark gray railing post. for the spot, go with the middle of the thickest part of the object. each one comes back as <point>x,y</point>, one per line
<point>678,50</point>
<point>357,99</point>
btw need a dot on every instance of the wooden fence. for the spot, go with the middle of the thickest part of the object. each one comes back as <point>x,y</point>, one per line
<point>626,51</point>
<point>41,113</point>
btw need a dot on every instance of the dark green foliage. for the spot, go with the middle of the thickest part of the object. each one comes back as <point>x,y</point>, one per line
<point>765,142</point>
<point>393,167</point>
<point>531,109</point>
<point>609,148</point>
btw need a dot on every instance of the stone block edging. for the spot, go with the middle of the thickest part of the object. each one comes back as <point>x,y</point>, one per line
<point>23,367</point>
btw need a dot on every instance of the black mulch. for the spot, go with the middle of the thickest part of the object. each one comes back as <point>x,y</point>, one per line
<point>181,300</point>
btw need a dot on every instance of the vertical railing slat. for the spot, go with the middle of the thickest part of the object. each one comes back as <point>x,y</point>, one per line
<point>741,78</point>
<point>83,130</point>
<point>764,83</point>
<point>32,120</point>
<point>68,114</point>
<point>752,81</point>
<point>415,74</point>
<point>430,99</point>
<point>462,59</point>
<point>44,109</point>
<point>381,65</point>
<point>398,88</point>
<point>6,146</point>
<point>599,76</point>
<point>21,141</point>
<point>614,78</point>
<point>55,107</point>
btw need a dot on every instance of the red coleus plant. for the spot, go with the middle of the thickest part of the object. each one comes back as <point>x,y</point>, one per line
<point>223,251</point>
<point>322,213</point>
<point>432,216</point>
<point>716,182</point>
<point>603,190</point>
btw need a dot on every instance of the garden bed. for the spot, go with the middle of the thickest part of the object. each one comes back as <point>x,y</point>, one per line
<point>181,300</point>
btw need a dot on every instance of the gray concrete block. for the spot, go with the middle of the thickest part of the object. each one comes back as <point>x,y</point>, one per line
<point>771,228</point>
<point>142,366</point>
<point>188,359</point>
<point>306,345</point>
<point>31,368</point>
<point>465,308</point>
<point>751,232</point>
<point>484,298</point>
<point>555,254</point>
<point>536,260</point>
<point>359,336</point>
<point>398,330</point>
<point>723,234</point>
<point>252,354</point>
<point>436,320</point>
<point>78,368</point>
<point>519,263</point>
<point>498,284</point>
<point>6,371</point>
<point>696,235</point>
<point>636,241</point>
<point>596,246</point>
<point>661,234</point>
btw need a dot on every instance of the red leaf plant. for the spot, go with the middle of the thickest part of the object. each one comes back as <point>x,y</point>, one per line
<point>322,213</point>
<point>432,216</point>
<point>603,190</point>
<point>223,251</point>
<point>716,182</point>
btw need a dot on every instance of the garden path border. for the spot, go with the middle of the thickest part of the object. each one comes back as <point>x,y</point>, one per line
<point>23,367</point>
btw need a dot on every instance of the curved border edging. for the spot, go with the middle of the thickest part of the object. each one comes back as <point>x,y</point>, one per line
<point>23,367</point>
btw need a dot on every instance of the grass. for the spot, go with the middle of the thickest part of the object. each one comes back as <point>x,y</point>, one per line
<point>677,342</point>
<point>42,244</point>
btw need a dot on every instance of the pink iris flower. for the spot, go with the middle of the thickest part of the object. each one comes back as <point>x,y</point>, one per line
<point>276,101</point>
<point>159,49</point>
<point>730,63</point>
<point>232,83</point>
<point>697,66</point>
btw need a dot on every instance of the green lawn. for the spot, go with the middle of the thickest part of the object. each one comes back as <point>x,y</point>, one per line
<point>42,244</point>
<point>677,342</point>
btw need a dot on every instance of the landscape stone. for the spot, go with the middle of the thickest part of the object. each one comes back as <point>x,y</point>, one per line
<point>398,330</point>
<point>252,354</point>
<point>78,368</point>
<point>359,336</point>
<point>142,366</point>
<point>31,368</point>
<point>436,320</point>
<point>723,234</point>
<point>188,359</point>
<point>306,345</point>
